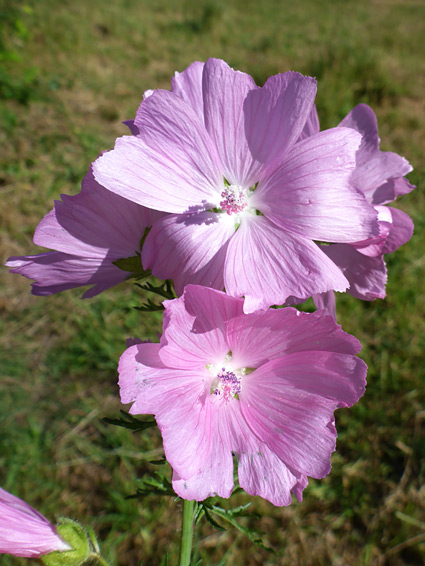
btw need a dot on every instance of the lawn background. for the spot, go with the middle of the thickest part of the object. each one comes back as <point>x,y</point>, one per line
<point>70,73</point>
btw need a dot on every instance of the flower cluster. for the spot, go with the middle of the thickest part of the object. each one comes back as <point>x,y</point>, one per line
<point>226,186</point>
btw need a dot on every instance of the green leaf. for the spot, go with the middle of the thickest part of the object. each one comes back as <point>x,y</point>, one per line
<point>130,422</point>
<point>229,516</point>
<point>154,485</point>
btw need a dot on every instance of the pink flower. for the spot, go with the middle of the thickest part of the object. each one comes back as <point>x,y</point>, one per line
<point>246,200</point>
<point>262,386</point>
<point>24,531</point>
<point>379,176</point>
<point>90,231</point>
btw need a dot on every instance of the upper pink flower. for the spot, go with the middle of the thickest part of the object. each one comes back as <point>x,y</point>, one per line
<point>24,531</point>
<point>90,231</point>
<point>262,386</point>
<point>246,200</point>
<point>379,176</point>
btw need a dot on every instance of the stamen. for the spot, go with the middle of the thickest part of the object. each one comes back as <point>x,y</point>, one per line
<point>228,386</point>
<point>235,199</point>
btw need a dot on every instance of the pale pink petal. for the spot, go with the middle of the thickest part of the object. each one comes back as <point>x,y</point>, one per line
<point>224,92</point>
<point>260,471</point>
<point>195,327</point>
<point>267,265</point>
<point>312,126</point>
<point>289,404</point>
<point>326,301</point>
<point>188,86</point>
<point>54,272</point>
<point>375,171</point>
<point>179,399</point>
<point>215,476</point>
<point>373,247</point>
<point>274,118</point>
<point>401,230</point>
<point>310,194</point>
<point>367,275</point>
<point>391,189</point>
<point>24,531</point>
<point>95,223</point>
<point>138,365</point>
<point>131,126</point>
<point>189,249</point>
<point>362,119</point>
<point>259,337</point>
<point>171,165</point>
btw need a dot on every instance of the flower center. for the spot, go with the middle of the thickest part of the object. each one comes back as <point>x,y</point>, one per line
<point>228,384</point>
<point>235,199</point>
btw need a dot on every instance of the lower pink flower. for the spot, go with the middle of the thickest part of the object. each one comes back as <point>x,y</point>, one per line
<point>262,386</point>
<point>24,531</point>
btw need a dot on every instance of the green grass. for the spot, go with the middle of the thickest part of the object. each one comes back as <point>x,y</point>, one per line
<point>70,73</point>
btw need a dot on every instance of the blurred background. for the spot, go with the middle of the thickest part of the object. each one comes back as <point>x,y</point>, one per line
<point>70,73</point>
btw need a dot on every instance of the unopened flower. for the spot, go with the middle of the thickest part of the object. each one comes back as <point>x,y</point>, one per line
<point>380,177</point>
<point>262,386</point>
<point>97,237</point>
<point>24,531</point>
<point>247,201</point>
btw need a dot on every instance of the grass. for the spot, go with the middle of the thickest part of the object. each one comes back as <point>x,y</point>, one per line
<point>70,73</point>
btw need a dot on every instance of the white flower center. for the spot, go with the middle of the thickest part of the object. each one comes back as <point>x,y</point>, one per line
<point>227,380</point>
<point>227,385</point>
<point>235,199</point>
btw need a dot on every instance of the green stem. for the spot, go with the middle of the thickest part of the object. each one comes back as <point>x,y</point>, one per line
<point>187,532</point>
<point>100,560</point>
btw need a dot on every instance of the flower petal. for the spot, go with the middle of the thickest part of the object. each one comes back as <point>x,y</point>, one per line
<point>177,398</point>
<point>215,476</point>
<point>54,272</point>
<point>312,126</point>
<point>266,265</point>
<point>289,404</point>
<point>189,249</point>
<point>401,230</point>
<point>367,275</point>
<point>24,531</point>
<point>326,301</point>
<point>224,92</point>
<point>195,327</point>
<point>260,471</point>
<point>259,337</point>
<point>95,223</point>
<point>310,194</point>
<point>274,118</point>
<point>374,167</point>
<point>188,86</point>
<point>171,165</point>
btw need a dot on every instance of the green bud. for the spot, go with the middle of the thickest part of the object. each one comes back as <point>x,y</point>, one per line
<point>79,540</point>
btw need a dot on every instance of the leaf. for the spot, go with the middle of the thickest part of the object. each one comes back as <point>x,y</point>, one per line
<point>128,421</point>
<point>228,515</point>
<point>153,485</point>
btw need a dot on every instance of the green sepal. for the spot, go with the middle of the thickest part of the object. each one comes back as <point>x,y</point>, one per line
<point>133,265</point>
<point>82,548</point>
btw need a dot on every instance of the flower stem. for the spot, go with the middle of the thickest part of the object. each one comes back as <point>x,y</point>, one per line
<point>100,559</point>
<point>187,532</point>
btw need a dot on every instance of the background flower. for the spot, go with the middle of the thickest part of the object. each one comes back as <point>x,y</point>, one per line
<point>93,232</point>
<point>380,176</point>
<point>24,531</point>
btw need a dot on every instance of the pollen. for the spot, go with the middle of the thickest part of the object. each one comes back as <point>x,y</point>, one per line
<point>228,385</point>
<point>235,199</point>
